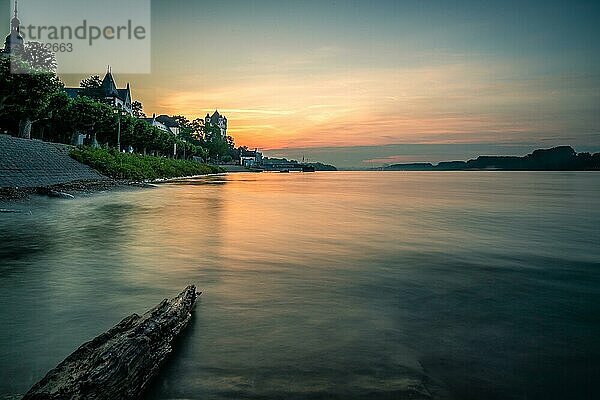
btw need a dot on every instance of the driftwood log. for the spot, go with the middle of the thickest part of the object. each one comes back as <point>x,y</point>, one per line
<point>119,363</point>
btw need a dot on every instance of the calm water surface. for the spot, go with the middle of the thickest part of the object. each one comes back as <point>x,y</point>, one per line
<point>329,285</point>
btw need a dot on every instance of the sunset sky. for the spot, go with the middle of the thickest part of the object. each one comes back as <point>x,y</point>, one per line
<point>369,77</point>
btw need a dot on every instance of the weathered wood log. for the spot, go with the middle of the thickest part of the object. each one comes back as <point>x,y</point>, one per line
<point>119,363</point>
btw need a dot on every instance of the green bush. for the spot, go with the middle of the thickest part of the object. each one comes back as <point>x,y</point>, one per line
<point>137,167</point>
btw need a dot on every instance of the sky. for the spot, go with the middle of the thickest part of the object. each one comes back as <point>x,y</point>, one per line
<point>365,83</point>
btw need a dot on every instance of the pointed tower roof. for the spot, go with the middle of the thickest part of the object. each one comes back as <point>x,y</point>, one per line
<point>108,84</point>
<point>214,119</point>
<point>14,40</point>
<point>15,23</point>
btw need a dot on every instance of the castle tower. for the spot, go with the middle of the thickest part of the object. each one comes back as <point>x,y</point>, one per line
<point>14,41</point>
<point>217,120</point>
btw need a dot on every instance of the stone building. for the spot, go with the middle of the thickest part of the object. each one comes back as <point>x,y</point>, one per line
<point>217,120</point>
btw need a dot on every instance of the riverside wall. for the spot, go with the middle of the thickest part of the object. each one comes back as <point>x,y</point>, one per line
<point>32,163</point>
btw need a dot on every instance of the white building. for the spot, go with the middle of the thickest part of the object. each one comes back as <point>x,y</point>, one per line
<point>158,124</point>
<point>250,158</point>
<point>170,123</point>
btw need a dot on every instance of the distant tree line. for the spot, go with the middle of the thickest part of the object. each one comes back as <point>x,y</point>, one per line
<point>317,165</point>
<point>562,158</point>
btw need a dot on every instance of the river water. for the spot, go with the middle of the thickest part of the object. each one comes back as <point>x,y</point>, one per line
<point>474,285</point>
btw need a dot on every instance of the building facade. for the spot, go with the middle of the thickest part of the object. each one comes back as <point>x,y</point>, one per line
<point>250,158</point>
<point>170,123</point>
<point>164,123</point>
<point>216,120</point>
<point>108,91</point>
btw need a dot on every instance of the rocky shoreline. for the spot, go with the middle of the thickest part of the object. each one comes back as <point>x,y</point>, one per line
<point>11,195</point>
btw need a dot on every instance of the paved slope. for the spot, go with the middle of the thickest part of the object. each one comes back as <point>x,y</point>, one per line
<point>32,163</point>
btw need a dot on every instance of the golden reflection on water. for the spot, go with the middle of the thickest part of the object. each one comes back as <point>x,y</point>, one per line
<point>339,284</point>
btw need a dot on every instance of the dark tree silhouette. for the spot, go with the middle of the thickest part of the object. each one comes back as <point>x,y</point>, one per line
<point>93,82</point>
<point>39,58</point>
<point>92,88</point>
<point>138,109</point>
<point>26,96</point>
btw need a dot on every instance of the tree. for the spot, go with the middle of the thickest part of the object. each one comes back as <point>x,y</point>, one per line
<point>6,81</point>
<point>198,128</point>
<point>128,130</point>
<point>25,97</point>
<point>39,58</point>
<point>138,109</point>
<point>191,132</point>
<point>202,152</point>
<point>142,137</point>
<point>215,142</point>
<point>92,88</point>
<point>93,82</point>
<point>93,118</point>
<point>57,127</point>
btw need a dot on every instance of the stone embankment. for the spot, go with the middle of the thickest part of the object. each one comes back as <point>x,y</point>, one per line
<point>32,164</point>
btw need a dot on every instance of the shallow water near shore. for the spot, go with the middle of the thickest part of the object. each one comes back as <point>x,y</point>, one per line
<point>469,285</point>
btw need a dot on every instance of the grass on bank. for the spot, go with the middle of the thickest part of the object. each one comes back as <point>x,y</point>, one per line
<point>138,167</point>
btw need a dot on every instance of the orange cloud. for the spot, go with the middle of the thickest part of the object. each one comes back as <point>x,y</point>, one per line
<point>291,105</point>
